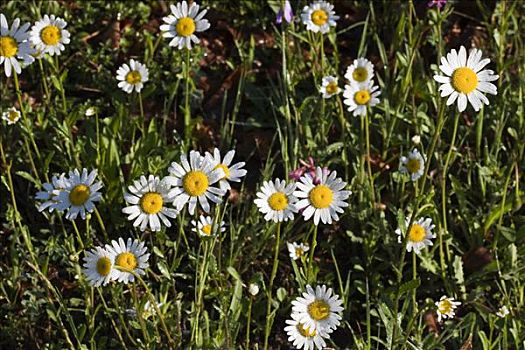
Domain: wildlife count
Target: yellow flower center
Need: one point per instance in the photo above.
(305, 331)
(417, 233)
(360, 74)
(319, 310)
(299, 252)
(50, 35)
(445, 307)
(151, 202)
(321, 196)
(464, 80)
(126, 261)
(225, 169)
(278, 201)
(413, 166)
(206, 229)
(8, 46)
(13, 116)
(133, 77)
(79, 194)
(362, 97)
(185, 26)
(319, 17)
(331, 88)
(103, 266)
(195, 183)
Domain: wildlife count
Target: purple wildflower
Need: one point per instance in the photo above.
(287, 13)
(438, 3)
(307, 167)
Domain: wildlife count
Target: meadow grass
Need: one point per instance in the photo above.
(253, 85)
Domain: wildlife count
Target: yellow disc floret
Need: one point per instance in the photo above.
(195, 183)
(362, 97)
(8, 46)
(79, 194)
(321, 196)
(151, 203)
(305, 331)
(103, 266)
(278, 201)
(319, 310)
(126, 261)
(225, 169)
(360, 74)
(51, 35)
(417, 233)
(331, 88)
(464, 80)
(13, 116)
(133, 77)
(319, 17)
(413, 165)
(185, 26)
(445, 307)
(207, 229)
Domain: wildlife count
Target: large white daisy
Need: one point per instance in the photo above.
(329, 87)
(231, 172)
(446, 307)
(359, 96)
(277, 201)
(465, 80)
(322, 199)
(413, 164)
(14, 46)
(51, 192)
(182, 24)
(49, 35)
(148, 199)
(11, 116)
(193, 182)
(205, 226)
(318, 309)
(132, 77)
(319, 16)
(303, 337)
(360, 71)
(98, 266)
(79, 193)
(419, 236)
(130, 258)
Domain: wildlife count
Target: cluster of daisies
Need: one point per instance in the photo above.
(314, 316)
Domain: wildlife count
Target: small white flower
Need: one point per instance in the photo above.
(297, 250)
(205, 225)
(465, 80)
(50, 193)
(148, 198)
(129, 258)
(416, 139)
(413, 165)
(318, 309)
(231, 172)
(14, 46)
(319, 16)
(49, 35)
(11, 116)
(329, 87)
(98, 267)
(419, 235)
(361, 71)
(147, 311)
(253, 289)
(446, 307)
(503, 311)
(132, 77)
(91, 111)
(182, 24)
(276, 200)
(323, 198)
(79, 193)
(303, 337)
(359, 96)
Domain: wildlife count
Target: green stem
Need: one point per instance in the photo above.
(309, 273)
(369, 167)
(187, 112)
(142, 118)
(44, 81)
(269, 320)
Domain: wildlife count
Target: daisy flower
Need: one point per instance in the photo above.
(98, 267)
(297, 250)
(323, 200)
(148, 198)
(132, 77)
(303, 337)
(503, 311)
(11, 116)
(359, 96)
(79, 193)
(49, 36)
(130, 258)
(182, 24)
(204, 226)
(318, 309)
(413, 165)
(465, 79)
(50, 193)
(329, 87)
(446, 307)
(193, 182)
(361, 71)
(231, 172)
(277, 201)
(14, 46)
(419, 235)
(319, 16)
